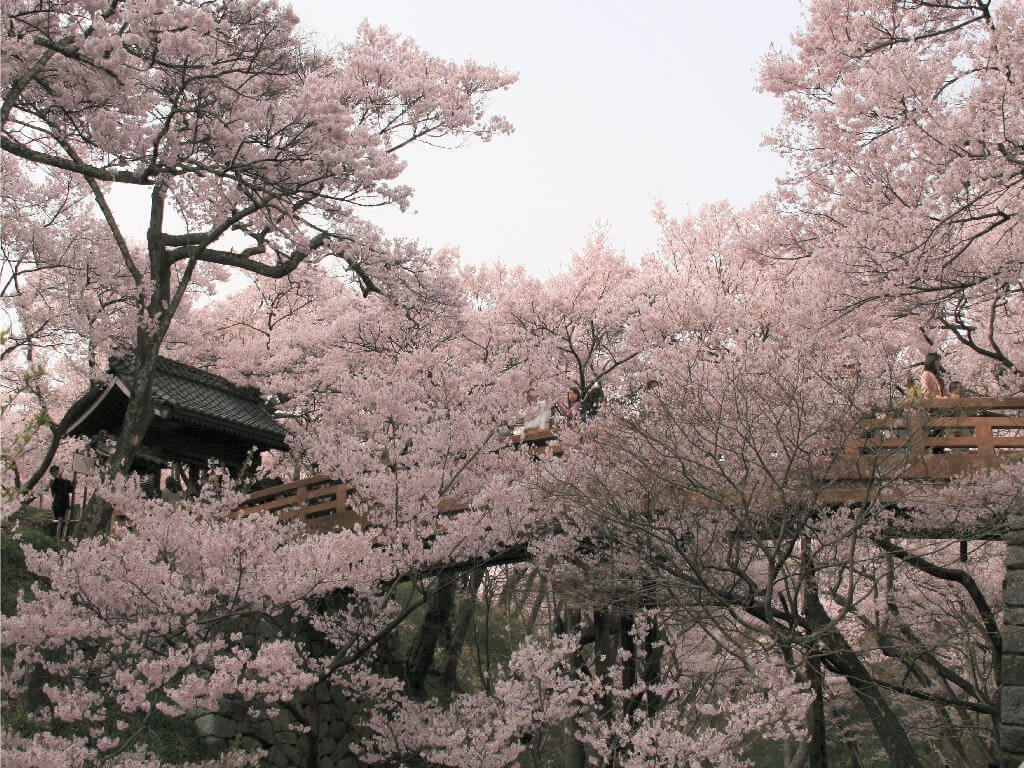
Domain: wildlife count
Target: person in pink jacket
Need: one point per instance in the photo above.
(931, 376)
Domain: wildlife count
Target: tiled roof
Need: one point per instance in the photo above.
(203, 398)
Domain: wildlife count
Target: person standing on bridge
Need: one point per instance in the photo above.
(570, 409)
(932, 386)
(591, 402)
(536, 414)
(931, 377)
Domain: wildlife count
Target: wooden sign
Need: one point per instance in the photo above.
(83, 464)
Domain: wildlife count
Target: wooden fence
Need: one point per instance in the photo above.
(320, 502)
(929, 440)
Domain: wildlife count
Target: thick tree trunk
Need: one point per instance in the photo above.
(1011, 690)
(817, 747)
(575, 752)
(453, 649)
(508, 590)
(531, 619)
(605, 649)
(421, 653)
(629, 646)
(845, 661)
(524, 590)
(137, 418)
(313, 735)
(652, 666)
(139, 413)
(95, 517)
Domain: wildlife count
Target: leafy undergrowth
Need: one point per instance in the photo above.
(28, 525)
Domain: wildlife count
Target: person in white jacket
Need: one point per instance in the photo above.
(536, 414)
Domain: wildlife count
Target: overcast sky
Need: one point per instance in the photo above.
(617, 106)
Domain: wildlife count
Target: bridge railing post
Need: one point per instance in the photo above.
(917, 431)
(986, 446)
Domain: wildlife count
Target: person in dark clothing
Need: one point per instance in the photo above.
(60, 490)
(933, 386)
(149, 484)
(592, 402)
(172, 490)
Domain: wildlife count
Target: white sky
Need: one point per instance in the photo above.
(617, 105)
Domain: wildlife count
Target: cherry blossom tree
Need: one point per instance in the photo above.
(682, 533)
(587, 323)
(210, 619)
(409, 444)
(706, 508)
(701, 590)
(906, 163)
(253, 147)
(704, 493)
(906, 178)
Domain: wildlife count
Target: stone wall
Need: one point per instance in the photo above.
(1011, 696)
(332, 719)
(285, 746)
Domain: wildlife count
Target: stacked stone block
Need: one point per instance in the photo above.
(286, 746)
(1011, 732)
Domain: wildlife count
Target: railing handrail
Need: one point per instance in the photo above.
(963, 403)
(278, 490)
(932, 440)
(304, 499)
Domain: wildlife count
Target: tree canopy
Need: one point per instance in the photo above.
(675, 584)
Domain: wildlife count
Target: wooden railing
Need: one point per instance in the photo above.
(928, 440)
(320, 502)
(539, 441)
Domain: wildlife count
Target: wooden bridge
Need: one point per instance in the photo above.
(323, 504)
(928, 441)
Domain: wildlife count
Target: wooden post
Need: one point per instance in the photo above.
(986, 447)
(916, 432)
